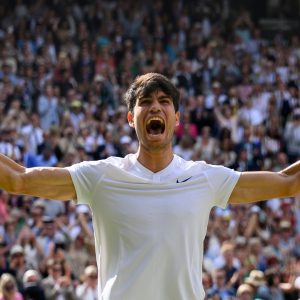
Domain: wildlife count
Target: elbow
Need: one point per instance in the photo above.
(16, 185)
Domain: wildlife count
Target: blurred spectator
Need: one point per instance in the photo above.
(205, 147)
(88, 289)
(292, 136)
(32, 134)
(219, 287)
(229, 263)
(79, 255)
(8, 288)
(48, 108)
(32, 252)
(245, 292)
(256, 280)
(185, 147)
(17, 264)
(32, 289)
(57, 284)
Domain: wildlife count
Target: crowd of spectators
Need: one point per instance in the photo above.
(64, 66)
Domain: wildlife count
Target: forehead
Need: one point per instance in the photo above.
(154, 94)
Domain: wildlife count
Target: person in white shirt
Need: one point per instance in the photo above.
(88, 289)
(150, 209)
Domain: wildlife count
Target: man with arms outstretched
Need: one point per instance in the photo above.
(150, 209)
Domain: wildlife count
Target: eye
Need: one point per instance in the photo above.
(165, 101)
(144, 101)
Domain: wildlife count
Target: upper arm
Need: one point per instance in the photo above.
(49, 183)
(257, 186)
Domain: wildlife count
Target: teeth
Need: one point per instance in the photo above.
(155, 119)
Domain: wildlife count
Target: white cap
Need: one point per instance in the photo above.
(82, 208)
(125, 139)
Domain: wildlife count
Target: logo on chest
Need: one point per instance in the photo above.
(184, 180)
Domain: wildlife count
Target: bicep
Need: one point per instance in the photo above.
(258, 186)
(49, 183)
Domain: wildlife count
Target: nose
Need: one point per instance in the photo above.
(155, 106)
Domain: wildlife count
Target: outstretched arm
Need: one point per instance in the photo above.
(257, 186)
(50, 183)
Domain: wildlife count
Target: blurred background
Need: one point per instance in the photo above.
(64, 67)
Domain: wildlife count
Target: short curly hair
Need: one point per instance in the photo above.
(146, 84)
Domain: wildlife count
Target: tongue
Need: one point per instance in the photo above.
(155, 131)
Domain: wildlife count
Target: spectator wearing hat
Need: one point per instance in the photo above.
(8, 288)
(46, 239)
(257, 281)
(126, 145)
(294, 290)
(36, 216)
(287, 242)
(76, 114)
(17, 264)
(88, 289)
(32, 289)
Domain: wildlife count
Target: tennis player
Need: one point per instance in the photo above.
(150, 209)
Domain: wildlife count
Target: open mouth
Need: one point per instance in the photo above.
(155, 126)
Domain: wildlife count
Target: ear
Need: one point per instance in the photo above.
(130, 119)
(177, 117)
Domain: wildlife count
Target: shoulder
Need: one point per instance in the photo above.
(100, 165)
(209, 169)
(188, 164)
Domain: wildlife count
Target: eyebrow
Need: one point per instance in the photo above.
(149, 97)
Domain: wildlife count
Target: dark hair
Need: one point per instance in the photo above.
(146, 84)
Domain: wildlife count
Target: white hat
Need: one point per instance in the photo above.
(82, 209)
(31, 276)
(16, 249)
(89, 270)
(125, 139)
(256, 278)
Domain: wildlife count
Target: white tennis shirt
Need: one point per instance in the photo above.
(149, 227)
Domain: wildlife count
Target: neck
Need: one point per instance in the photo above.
(155, 161)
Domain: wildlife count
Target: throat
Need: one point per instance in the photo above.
(154, 161)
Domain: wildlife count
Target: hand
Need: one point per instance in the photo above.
(64, 281)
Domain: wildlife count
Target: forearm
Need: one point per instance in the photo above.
(8, 171)
(46, 182)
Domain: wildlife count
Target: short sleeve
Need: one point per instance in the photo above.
(85, 176)
(222, 181)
